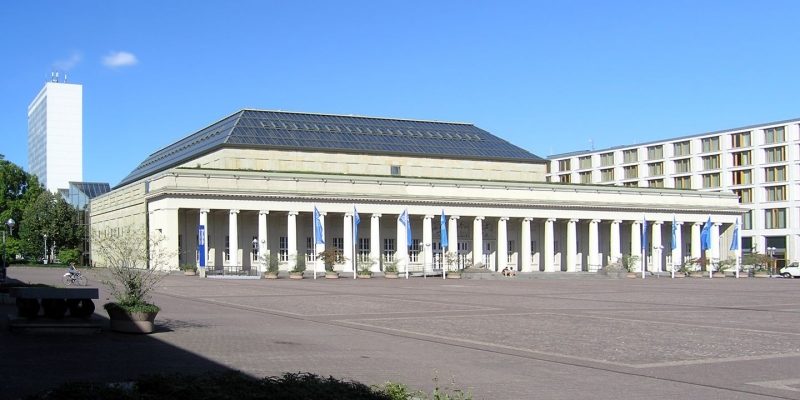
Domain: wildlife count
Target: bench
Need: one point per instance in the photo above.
(54, 303)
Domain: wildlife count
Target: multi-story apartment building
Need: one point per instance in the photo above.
(759, 163)
(55, 134)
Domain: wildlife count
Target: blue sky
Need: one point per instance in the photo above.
(548, 76)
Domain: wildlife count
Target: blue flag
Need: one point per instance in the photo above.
(735, 242)
(319, 235)
(356, 221)
(674, 234)
(404, 220)
(443, 228)
(644, 235)
(705, 236)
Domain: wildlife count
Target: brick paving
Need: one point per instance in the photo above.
(656, 338)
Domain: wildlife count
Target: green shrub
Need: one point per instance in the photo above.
(274, 262)
(300, 264)
(67, 256)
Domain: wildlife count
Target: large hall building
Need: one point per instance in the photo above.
(252, 180)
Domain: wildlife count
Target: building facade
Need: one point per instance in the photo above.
(55, 134)
(758, 163)
(247, 185)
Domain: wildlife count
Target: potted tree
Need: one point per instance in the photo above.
(628, 262)
(364, 270)
(135, 263)
(299, 267)
(451, 272)
(272, 266)
(330, 257)
(188, 269)
(390, 269)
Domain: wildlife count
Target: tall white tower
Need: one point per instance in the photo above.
(55, 134)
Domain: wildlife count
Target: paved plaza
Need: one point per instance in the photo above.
(656, 338)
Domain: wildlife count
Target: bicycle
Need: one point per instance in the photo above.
(74, 277)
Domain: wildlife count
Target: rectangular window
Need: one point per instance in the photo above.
(747, 220)
(683, 182)
(774, 135)
(741, 139)
(363, 249)
(741, 159)
(776, 193)
(631, 172)
(254, 249)
(309, 249)
(743, 177)
(775, 218)
(710, 144)
(655, 152)
(586, 177)
(395, 170)
(711, 162)
(564, 165)
(283, 248)
(655, 183)
(630, 184)
(775, 174)
(681, 149)
(564, 178)
(775, 154)
(413, 251)
(389, 249)
(227, 251)
(607, 159)
(683, 166)
(585, 162)
(655, 169)
(710, 181)
(745, 195)
(629, 156)
(607, 175)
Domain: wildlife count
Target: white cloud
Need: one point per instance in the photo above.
(117, 59)
(67, 64)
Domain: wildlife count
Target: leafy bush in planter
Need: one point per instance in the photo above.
(300, 264)
(274, 263)
(188, 267)
(390, 266)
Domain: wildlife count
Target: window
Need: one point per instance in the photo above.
(745, 195)
(564, 178)
(388, 249)
(586, 177)
(681, 149)
(743, 177)
(655, 169)
(363, 249)
(710, 181)
(710, 144)
(254, 249)
(283, 248)
(741, 159)
(631, 172)
(655, 152)
(338, 244)
(775, 218)
(607, 159)
(564, 165)
(711, 162)
(413, 251)
(629, 156)
(630, 184)
(585, 162)
(741, 139)
(309, 249)
(607, 175)
(655, 183)
(775, 154)
(683, 166)
(227, 251)
(775, 174)
(747, 220)
(774, 135)
(395, 170)
(683, 182)
(776, 193)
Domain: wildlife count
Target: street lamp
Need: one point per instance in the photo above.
(771, 254)
(10, 224)
(44, 259)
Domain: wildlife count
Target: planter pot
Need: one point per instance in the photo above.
(331, 275)
(364, 276)
(719, 275)
(453, 275)
(190, 273)
(126, 322)
(633, 275)
(762, 274)
(390, 275)
(270, 275)
(293, 275)
(697, 274)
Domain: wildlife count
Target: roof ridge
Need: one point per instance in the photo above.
(359, 116)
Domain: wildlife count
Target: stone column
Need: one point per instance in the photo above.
(291, 239)
(263, 260)
(715, 242)
(636, 245)
(572, 245)
(696, 252)
(427, 243)
(657, 247)
(615, 250)
(477, 241)
(347, 230)
(549, 245)
(677, 252)
(204, 222)
(594, 246)
(452, 239)
(375, 241)
(502, 243)
(525, 246)
(233, 238)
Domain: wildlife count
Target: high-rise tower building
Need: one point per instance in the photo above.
(55, 134)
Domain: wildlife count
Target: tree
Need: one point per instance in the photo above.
(49, 215)
(17, 190)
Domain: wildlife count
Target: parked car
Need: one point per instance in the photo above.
(790, 271)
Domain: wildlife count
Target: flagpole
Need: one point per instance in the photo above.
(353, 235)
(314, 238)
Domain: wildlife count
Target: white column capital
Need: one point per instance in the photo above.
(717, 224)
(573, 220)
(204, 211)
(234, 211)
(376, 215)
(527, 219)
(263, 212)
(293, 213)
(455, 217)
(428, 216)
(678, 223)
(551, 220)
(480, 218)
(503, 219)
(616, 221)
(596, 221)
(698, 223)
